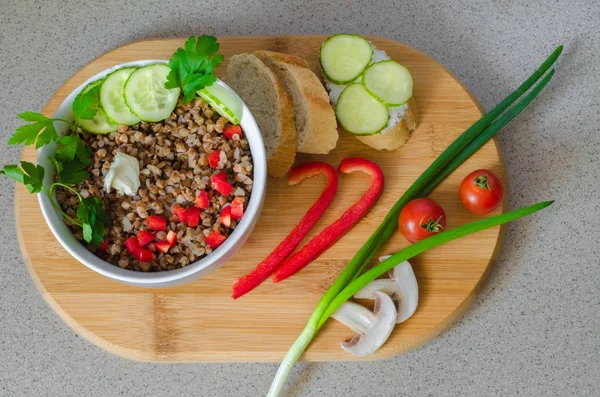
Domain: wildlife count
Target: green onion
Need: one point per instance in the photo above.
(409, 252)
(425, 245)
(487, 134)
(461, 149)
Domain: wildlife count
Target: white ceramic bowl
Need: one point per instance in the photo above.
(172, 277)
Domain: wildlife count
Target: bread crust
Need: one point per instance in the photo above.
(318, 134)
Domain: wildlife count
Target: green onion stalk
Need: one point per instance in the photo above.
(350, 281)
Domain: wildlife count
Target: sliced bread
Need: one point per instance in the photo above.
(272, 107)
(315, 121)
(396, 136)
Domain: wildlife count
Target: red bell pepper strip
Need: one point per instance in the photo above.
(250, 281)
(332, 233)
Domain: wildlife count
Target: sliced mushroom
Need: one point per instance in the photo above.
(401, 286)
(372, 327)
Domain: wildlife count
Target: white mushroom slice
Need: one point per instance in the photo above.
(372, 327)
(401, 286)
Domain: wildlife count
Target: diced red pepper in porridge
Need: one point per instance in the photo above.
(193, 216)
(145, 237)
(132, 244)
(219, 183)
(225, 217)
(237, 208)
(214, 158)
(180, 213)
(172, 238)
(229, 132)
(163, 246)
(144, 255)
(202, 201)
(104, 246)
(156, 222)
(220, 176)
(215, 239)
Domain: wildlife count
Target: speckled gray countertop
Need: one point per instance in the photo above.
(535, 329)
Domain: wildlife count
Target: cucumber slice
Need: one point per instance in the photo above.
(343, 57)
(146, 95)
(389, 81)
(100, 124)
(224, 101)
(359, 112)
(112, 100)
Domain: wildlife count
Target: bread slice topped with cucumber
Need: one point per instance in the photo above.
(372, 94)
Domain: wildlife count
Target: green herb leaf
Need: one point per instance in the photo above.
(13, 171)
(33, 117)
(41, 132)
(74, 178)
(87, 232)
(192, 68)
(46, 136)
(34, 178)
(95, 205)
(71, 146)
(83, 213)
(26, 134)
(58, 165)
(194, 83)
(98, 234)
(85, 105)
(30, 175)
(73, 172)
(94, 218)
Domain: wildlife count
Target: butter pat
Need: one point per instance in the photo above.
(123, 175)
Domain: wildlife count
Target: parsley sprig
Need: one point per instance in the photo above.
(192, 67)
(71, 161)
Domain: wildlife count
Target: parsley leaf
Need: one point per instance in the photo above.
(13, 171)
(33, 117)
(85, 105)
(192, 67)
(73, 172)
(71, 146)
(88, 232)
(72, 159)
(40, 132)
(83, 213)
(31, 175)
(57, 165)
(94, 220)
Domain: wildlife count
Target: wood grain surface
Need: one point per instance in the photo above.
(199, 321)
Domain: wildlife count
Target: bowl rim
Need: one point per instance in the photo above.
(217, 256)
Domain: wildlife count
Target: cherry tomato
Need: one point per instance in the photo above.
(421, 218)
(481, 191)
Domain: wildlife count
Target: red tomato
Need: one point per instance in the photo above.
(421, 218)
(481, 191)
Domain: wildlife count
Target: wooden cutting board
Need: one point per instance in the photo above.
(199, 321)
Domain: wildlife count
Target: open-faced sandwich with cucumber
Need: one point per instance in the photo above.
(372, 94)
(153, 172)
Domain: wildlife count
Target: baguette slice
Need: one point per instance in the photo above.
(396, 136)
(316, 125)
(265, 96)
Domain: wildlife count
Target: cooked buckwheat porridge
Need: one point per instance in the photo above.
(187, 166)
